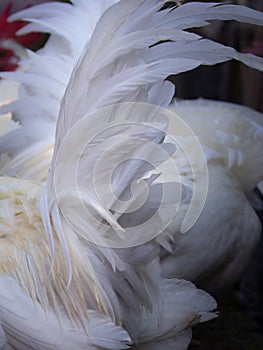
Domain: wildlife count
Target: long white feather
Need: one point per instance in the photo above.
(128, 64)
(142, 16)
(122, 67)
(29, 326)
(125, 63)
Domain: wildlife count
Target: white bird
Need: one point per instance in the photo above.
(68, 279)
(228, 229)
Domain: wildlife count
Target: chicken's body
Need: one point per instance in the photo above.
(36, 305)
(77, 256)
(223, 245)
(228, 229)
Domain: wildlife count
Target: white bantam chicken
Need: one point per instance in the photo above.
(90, 248)
(228, 228)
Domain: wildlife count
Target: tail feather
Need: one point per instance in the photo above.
(123, 63)
(182, 306)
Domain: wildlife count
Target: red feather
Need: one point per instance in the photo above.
(8, 58)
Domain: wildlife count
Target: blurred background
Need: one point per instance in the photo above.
(230, 81)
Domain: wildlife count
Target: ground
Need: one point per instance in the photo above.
(232, 330)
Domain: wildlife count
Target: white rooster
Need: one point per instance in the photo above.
(62, 286)
(228, 228)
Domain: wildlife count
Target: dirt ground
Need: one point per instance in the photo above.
(232, 330)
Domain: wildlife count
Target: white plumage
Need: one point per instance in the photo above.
(228, 228)
(62, 284)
